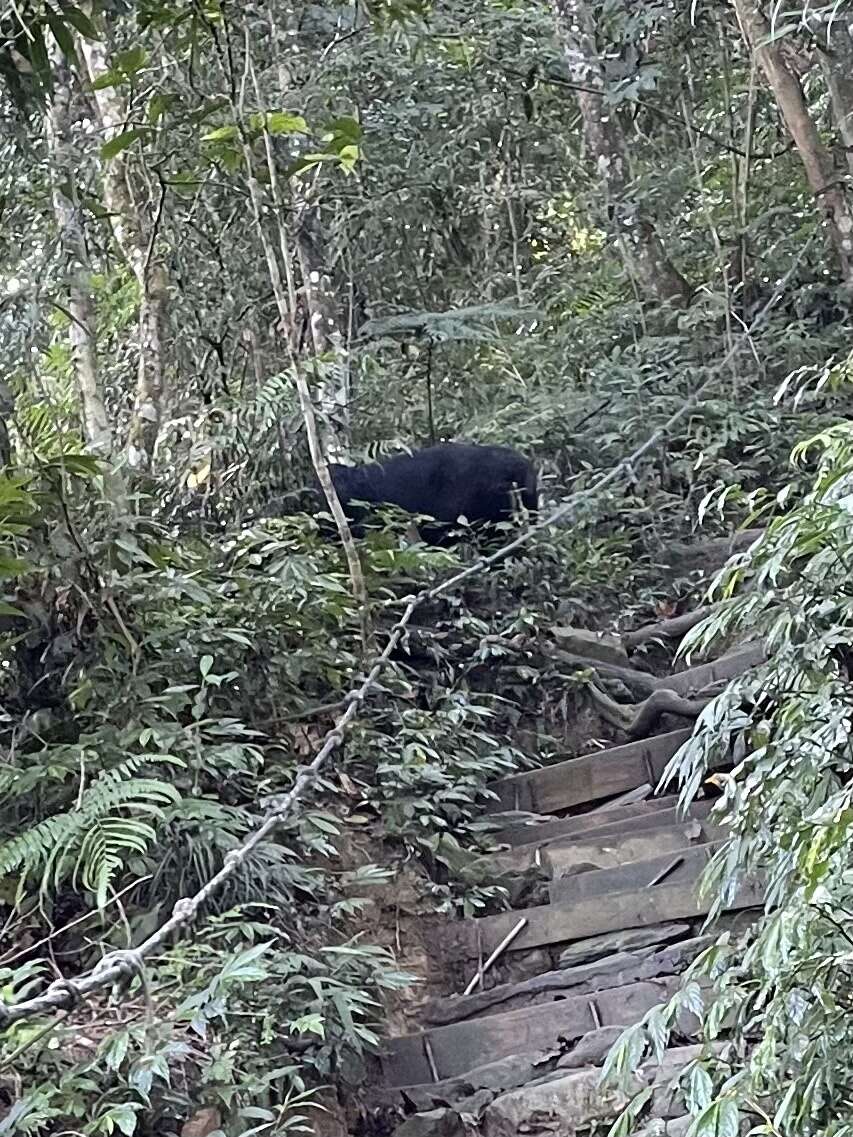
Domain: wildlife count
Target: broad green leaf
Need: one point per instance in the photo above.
(309, 1024)
(221, 134)
(110, 78)
(11, 567)
(280, 122)
(157, 106)
(61, 34)
(345, 129)
(80, 21)
(719, 1119)
(131, 61)
(121, 142)
(40, 60)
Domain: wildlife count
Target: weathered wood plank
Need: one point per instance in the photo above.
(519, 833)
(628, 966)
(462, 1046)
(599, 828)
(641, 793)
(590, 777)
(636, 876)
(604, 851)
(563, 923)
(623, 849)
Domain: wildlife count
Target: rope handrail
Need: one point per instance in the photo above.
(64, 994)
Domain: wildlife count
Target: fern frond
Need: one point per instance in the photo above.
(92, 842)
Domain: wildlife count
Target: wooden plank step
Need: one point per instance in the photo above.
(718, 670)
(590, 777)
(630, 965)
(636, 823)
(685, 865)
(462, 1046)
(525, 833)
(563, 854)
(563, 923)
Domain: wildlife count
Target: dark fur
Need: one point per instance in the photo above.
(445, 482)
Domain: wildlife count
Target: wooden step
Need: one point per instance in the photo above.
(447, 1051)
(591, 777)
(563, 923)
(607, 851)
(630, 965)
(633, 825)
(521, 833)
(684, 866)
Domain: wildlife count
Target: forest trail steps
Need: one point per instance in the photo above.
(605, 917)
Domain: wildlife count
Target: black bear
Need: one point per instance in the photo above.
(446, 482)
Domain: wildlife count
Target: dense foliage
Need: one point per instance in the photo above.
(400, 206)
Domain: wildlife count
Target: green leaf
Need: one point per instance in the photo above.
(346, 131)
(39, 59)
(157, 107)
(699, 1089)
(116, 1051)
(131, 61)
(309, 1024)
(323, 824)
(205, 665)
(61, 34)
(83, 465)
(12, 566)
(280, 122)
(221, 134)
(80, 21)
(124, 1117)
(121, 142)
(111, 78)
(10, 609)
(720, 1119)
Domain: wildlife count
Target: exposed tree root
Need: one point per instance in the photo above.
(638, 719)
(633, 679)
(673, 628)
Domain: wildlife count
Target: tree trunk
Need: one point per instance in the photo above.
(835, 49)
(333, 394)
(639, 241)
(817, 160)
(7, 410)
(136, 239)
(96, 426)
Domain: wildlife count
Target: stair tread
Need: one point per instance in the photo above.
(635, 822)
(588, 778)
(564, 923)
(463, 1046)
(606, 850)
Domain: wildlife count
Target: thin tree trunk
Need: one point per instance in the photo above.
(7, 410)
(326, 333)
(817, 160)
(136, 238)
(641, 246)
(835, 50)
(96, 426)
